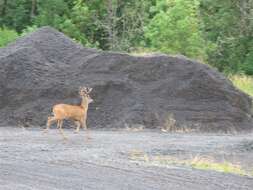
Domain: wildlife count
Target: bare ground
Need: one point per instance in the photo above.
(101, 159)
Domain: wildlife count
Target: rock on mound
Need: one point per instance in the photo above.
(46, 67)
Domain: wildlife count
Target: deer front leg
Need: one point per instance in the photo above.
(78, 124)
(59, 125)
(84, 124)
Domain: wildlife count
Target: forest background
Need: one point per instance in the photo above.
(215, 32)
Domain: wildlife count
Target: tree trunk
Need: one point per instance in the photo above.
(246, 9)
(33, 8)
(111, 23)
(4, 8)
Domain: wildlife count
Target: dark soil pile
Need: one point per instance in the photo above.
(46, 68)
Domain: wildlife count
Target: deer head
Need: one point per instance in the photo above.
(84, 93)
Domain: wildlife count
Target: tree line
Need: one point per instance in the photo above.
(218, 32)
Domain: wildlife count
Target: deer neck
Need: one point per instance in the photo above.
(84, 104)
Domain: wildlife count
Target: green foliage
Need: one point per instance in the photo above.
(79, 23)
(50, 12)
(176, 28)
(218, 32)
(229, 25)
(16, 14)
(58, 14)
(69, 28)
(7, 36)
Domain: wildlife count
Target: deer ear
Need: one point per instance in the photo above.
(81, 91)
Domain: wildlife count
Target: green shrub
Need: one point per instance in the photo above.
(29, 29)
(7, 36)
(176, 29)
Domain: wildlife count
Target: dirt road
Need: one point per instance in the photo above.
(31, 160)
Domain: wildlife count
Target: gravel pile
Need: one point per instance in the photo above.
(46, 67)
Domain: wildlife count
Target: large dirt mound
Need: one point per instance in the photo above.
(46, 67)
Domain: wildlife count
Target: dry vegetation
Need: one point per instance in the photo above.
(243, 82)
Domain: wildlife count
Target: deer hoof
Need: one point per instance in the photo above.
(45, 131)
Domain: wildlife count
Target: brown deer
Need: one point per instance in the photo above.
(72, 112)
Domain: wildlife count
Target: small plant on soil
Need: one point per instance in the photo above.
(169, 123)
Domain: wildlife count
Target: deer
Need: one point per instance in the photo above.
(76, 113)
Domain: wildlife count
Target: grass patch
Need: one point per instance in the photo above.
(226, 167)
(197, 162)
(243, 82)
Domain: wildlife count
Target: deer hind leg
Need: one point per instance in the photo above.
(50, 120)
